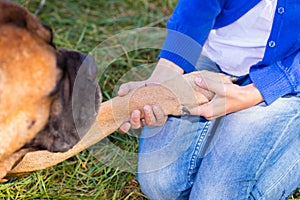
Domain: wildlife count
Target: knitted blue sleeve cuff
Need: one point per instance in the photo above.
(271, 81)
(181, 49)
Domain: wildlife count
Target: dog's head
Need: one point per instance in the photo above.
(36, 85)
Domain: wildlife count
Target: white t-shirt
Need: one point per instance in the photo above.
(238, 46)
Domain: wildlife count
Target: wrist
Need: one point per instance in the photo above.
(165, 70)
(253, 94)
(170, 65)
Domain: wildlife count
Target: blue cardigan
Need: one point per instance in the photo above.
(278, 74)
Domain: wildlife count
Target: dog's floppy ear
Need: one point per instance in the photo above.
(74, 109)
(14, 14)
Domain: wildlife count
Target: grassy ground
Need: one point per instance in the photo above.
(82, 25)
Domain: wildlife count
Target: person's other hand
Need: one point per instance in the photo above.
(153, 115)
(228, 98)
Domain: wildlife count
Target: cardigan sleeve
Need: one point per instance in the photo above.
(188, 28)
(279, 79)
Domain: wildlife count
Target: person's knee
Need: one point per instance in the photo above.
(159, 185)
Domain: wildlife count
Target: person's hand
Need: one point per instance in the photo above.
(153, 115)
(228, 98)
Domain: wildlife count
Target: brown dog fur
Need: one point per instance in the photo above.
(28, 75)
(36, 84)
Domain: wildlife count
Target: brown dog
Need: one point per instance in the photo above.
(36, 85)
(38, 124)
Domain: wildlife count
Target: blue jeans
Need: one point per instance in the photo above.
(250, 154)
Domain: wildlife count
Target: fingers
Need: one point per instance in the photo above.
(205, 110)
(124, 128)
(160, 116)
(149, 115)
(124, 89)
(154, 116)
(127, 87)
(135, 122)
(210, 110)
(135, 119)
(210, 85)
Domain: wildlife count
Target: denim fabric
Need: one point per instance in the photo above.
(250, 154)
(169, 157)
(253, 154)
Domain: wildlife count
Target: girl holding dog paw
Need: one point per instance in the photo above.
(244, 143)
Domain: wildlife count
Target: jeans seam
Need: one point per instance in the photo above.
(270, 152)
(192, 164)
(281, 177)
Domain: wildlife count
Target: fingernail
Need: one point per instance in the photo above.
(125, 128)
(135, 113)
(198, 80)
(147, 108)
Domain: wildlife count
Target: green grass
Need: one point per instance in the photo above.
(82, 25)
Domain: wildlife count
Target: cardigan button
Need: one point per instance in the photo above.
(272, 44)
(281, 10)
